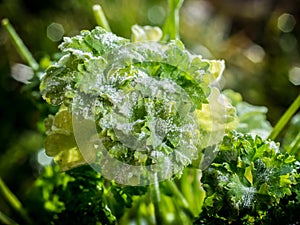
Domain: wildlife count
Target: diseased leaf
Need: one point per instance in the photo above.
(142, 100)
(97, 42)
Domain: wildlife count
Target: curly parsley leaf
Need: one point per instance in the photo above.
(142, 98)
(248, 180)
(80, 196)
(252, 119)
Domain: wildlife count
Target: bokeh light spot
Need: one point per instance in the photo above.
(43, 159)
(21, 73)
(55, 31)
(286, 22)
(294, 75)
(255, 53)
(156, 14)
(288, 42)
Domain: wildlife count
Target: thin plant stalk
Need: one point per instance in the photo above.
(156, 199)
(6, 220)
(180, 198)
(174, 189)
(199, 193)
(100, 17)
(171, 26)
(294, 146)
(285, 118)
(13, 201)
(20, 46)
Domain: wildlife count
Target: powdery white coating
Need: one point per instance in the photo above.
(108, 39)
(247, 197)
(119, 121)
(139, 101)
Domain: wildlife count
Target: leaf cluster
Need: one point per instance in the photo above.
(78, 196)
(142, 97)
(250, 182)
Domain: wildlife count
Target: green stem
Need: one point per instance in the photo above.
(199, 192)
(295, 145)
(285, 118)
(139, 217)
(13, 201)
(174, 189)
(180, 198)
(155, 192)
(6, 220)
(20, 46)
(100, 17)
(171, 26)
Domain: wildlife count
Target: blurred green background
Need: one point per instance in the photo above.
(259, 40)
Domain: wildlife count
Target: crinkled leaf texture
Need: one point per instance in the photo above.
(145, 100)
(252, 118)
(248, 180)
(61, 143)
(145, 33)
(78, 196)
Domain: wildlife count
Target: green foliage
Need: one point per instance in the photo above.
(249, 182)
(252, 119)
(142, 96)
(153, 102)
(89, 206)
(94, 51)
(60, 142)
(80, 196)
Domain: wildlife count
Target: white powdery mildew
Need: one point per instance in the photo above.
(247, 197)
(138, 100)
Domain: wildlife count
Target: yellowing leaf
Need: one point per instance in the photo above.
(146, 33)
(248, 174)
(218, 115)
(216, 69)
(69, 159)
(56, 143)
